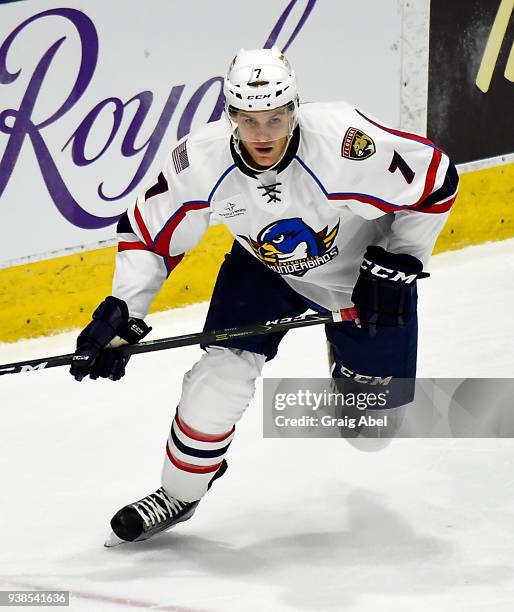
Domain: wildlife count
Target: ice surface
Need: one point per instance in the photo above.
(295, 524)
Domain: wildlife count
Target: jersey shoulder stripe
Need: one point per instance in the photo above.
(407, 135)
(162, 240)
(375, 201)
(400, 173)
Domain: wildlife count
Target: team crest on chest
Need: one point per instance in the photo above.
(357, 145)
(290, 246)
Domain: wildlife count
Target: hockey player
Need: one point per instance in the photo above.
(328, 208)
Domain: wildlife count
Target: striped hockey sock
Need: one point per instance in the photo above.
(192, 459)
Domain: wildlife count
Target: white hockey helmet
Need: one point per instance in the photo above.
(260, 79)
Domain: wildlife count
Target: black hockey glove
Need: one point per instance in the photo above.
(110, 320)
(386, 288)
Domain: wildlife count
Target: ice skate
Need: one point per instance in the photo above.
(152, 514)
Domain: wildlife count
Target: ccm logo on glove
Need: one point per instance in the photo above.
(392, 275)
(385, 292)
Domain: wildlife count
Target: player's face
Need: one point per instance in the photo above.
(264, 134)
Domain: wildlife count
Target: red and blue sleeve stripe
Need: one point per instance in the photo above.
(125, 227)
(429, 202)
(161, 243)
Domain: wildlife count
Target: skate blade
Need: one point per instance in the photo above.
(113, 540)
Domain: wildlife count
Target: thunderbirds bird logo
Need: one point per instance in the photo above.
(290, 246)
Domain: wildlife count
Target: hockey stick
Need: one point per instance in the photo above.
(209, 337)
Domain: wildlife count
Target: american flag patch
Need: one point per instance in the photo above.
(180, 158)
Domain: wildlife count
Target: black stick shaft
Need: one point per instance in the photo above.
(256, 329)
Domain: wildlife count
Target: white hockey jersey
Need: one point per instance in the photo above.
(345, 182)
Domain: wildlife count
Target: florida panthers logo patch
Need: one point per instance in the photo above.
(357, 145)
(290, 246)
